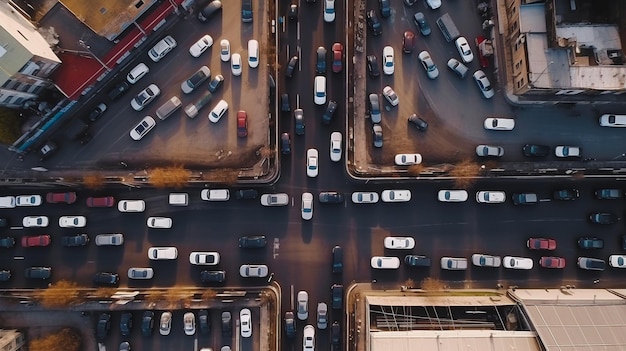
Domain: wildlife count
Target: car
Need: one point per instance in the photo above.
(35, 221)
(145, 97)
(212, 276)
(608, 194)
(235, 64)
(142, 128)
(565, 194)
(252, 241)
(388, 60)
(307, 206)
(126, 323)
(97, 112)
(7, 242)
(159, 222)
(329, 11)
(298, 116)
(279, 199)
(464, 49)
(290, 325)
(75, 240)
(284, 103)
(429, 66)
(408, 42)
(372, 66)
(165, 323)
(541, 244)
(162, 48)
(452, 195)
(136, 73)
(303, 305)
(524, 199)
(162, 253)
(215, 194)
(337, 57)
(38, 273)
(242, 124)
(327, 117)
(420, 21)
(399, 243)
(433, 4)
(312, 163)
(534, 150)
(196, 79)
(204, 258)
(384, 262)
(105, 201)
(495, 123)
(120, 88)
(454, 263)
(337, 259)
(418, 122)
(458, 68)
(189, 323)
(319, 90)
(330, 197)
(48, 149)
(513, 262)
(417, 261)
(590, 243)
(308, 338)
(131, 206)
(253, 53)
(140, 273)
(28, 200)
(253, 270)
(609, 120)
(285, 144)
(335, 146)
(293, 12)
(109, 239)
(377, 135)
(491, 197)
(216, 83)
(407, 159)
(384, 7)
(335, 335)
(483, 84)
(103, 326)
(617, 261)
(391, 96)
(489, 151)
(200, 46)
(374, 23)
(245, 322)
(592, 264)
(218, 111)
(147, 323)
(336, 292)
(375, 114)
(224, 50)
(227, 326)
(106, 278)
(396, 195)
(291, 66)
(482, 260)
(322, 315)
(55, 198)
(320, 63)
(552, 262)
(364, 197)
(567, 151)
(246, 194)
(603, 218)
(35, 240)
(210, 9)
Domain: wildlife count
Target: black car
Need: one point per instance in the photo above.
(603, 218)
(204, 321)
(75, 240)
(284, 103)
(210, 9)
(252, 241)
(212, 276)
(293, 12)
(290, 325)
(106, 278)
(524, 199)
(104, 324)
(227, 326)
(327, 117)
(5, 275)
(216, 83)
(246, 194)
(372, 66)
(418, 122)
(126, 323)
(298, 116)
(147, 323)
(417, 261)
(566, 194)
(337, 259)
(337, 296)
(384, 7)
(97, 112)
(38, 272)
(533, 150)
(7, 242)
(608, 194)
(119, 89)
(320, 65)
(374, 23)
(331, 197)
(335, 335)
(590, 243)
(285, 144)
(246, 11)
(291, 66)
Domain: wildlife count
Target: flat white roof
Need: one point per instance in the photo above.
(454, 340)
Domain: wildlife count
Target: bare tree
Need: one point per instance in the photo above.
(93, 181)
(66, 339)
(60, 294)
(170, 177)
(226, 176)
(432, 285)
(465, 173)
(415, 170)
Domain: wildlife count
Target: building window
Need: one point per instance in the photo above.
(8, 98)
(37, 89)
(517, 65)
(19, 100)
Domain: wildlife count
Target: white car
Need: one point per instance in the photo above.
(481, 260)
(567, 151)
(319, 90)
(145, 97)
(308, 338)
(201, 46)
(113, 239)
(608, 120)
(385, 262)
(245, 321)
(163, 253)
(329, 10)
(303, 305)
(224, 50)
(159, 222)
(219, 110)
(137, 73)
(35, 221)
(452, 195)
(253, 270)
(517, 262)
(464, 49)
(434, 4)
(388, 60)
(28, 200)
(279, 199)
(189, 323)
(399, 243)
(253, 53)
(391, 96)
(311, 163)
(396, 195)
(489, 151)
(364, 197)
(458, 68)
(483, 84)
(490, 197)
(454, 263)
(72, 221)
(335, 146)
(617, 261)
(235, 64)
(140, 273)
(204, 258)
(131, 206)
(142, 128)
(160, 49)
(307, 206)
(494, 123)
(429, 65)
(407, 159)
(165, 325)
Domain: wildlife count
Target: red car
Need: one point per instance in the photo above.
(36, 240)
(107, 201)
(552, 262)
(541, 244)
(337, 57)
(242, 124)
(55, 198)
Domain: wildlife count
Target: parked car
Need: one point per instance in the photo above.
(216, 83)
(38, 273)
(212, 276)
(330, 197)
(454, 263)
(396, 195)
(142, 128)
(242, 124)
(399, 243)
(189, 323)
(603, 218)
(147, 323)
(200, 46)
(417, 261)
(524, 199)
(106, 278)
(609, 120)
(105, 201)
(408, 42)
(224, 50)
(365, 197)
(165, 323)
(75, 240)
(245, 321)
(35, 221)
(209, 10)
(567, 151)
(162, 253)
(109, 239)
(458, 68)
(418, 122)
(336, 295)
(36, 240)
(452, 195)
(252, 241)
(590, 243)
(253, 53)
(196, 79)
(126, 323)
(533, 150)
(482, 260)
(429, 65)
(120, 88)
(218, 111)
(322, 315)
(55, 198)
(483, 84)
(335, 146)
(617, 261)
(227, 324)
(407, 159)
(372, 66)
(337, 57)
(307, 206)
(377, 135)
(391, 96)
(253, 271)
(103, 326)
(308, 338)
(541, 244)
(162, 48)
(565, 194)
(592, 264)
(374, 104)
(489, 151)
(303, 305)
(204, 258)
(279, 199)
(145, 97)
(72, 221)
(490, 197)
(235, 64)
(290, 325)
(383, 262)
(517, 262)
(388, 60)
(374, 23)
(420, 21)
(246, 194)
(552, 262)
(608, 194)
(494, 123)
(464, 49)
(28, 200)
(337, 259)
(140, 273)
(312, 163)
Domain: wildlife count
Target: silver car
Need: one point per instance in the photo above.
(482, 260)
(454, 263)
(303, 305)
(429, 65)
(253, 270)
(166, 323)
(140, 273)
(489, 151)
(145, 97)
(280, 199)
(109, 239)
(322, 315)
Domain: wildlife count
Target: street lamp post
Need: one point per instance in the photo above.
(618, 156)
(87, 47)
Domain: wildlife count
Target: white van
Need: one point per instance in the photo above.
(179, 199)
(215, 195)
(168, 108)
(319, 93)
(253, 53)
(137, 73)
(7, 202)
